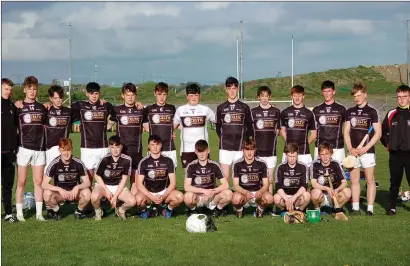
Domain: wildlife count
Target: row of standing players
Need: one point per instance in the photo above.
(41, 128)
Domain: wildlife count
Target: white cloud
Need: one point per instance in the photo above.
(211, 5)
(224, 36)
(311, 48)
(345, 26)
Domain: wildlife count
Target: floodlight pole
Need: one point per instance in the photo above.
(408, 53)
(69, 64)
(292, 60)
(237, 60)
(241, 80)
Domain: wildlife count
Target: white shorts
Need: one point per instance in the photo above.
(202, 202)
(27, 156)
(251, 202)
(112, 189)
(302, 158)
(327, 200)
(366, 160)
(270, 161)
(161, 193)
(91, 157)
(51, 154)
(172, 155)
(228, 157)
(338, 155)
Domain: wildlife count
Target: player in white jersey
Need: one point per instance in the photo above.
(192, 119)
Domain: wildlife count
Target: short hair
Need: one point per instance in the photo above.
(201, 145)
(30, 81)
(359, 86)
(93, 87)
(192, 88)
(263, 89)
(56, 88)
(325, 146)
(297, 89)
(231, 81)
(155, 139)
(129, 87)
(114, 140)
(403, 88)
(7, 81)
(161, 87)
(65, 144)
(328, 84)
(249, 144)
(291, 147)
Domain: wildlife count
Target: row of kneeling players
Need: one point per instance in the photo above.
(155, 184)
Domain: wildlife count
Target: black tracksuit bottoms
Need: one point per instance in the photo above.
(7, 179)
(398, 163)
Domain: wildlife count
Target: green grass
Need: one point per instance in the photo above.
(379, 240)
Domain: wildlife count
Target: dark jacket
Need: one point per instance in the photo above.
(396, 130)
(9, 119)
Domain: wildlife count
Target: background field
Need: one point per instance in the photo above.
(379, 240)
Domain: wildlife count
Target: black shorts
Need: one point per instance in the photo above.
(135, 157)
(187, 158)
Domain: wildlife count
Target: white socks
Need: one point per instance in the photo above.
(39, 208)
(355, 206)
(19, 209)
(370, 208)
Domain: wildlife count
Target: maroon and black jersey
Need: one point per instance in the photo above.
(298, 122)
(204, 176)
(129, 126)
(234, 124)
(290, 179)
(32, 118)
(361, 119)
(265, 124)
(160, 119)
(66, 176)
(112, 171)
(250, 175)
(155, 172)
(334, 170)
(329, 121)
(58, 125)
(93, 125)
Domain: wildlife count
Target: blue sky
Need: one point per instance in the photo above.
(178, 42)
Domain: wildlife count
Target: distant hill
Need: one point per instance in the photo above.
(380, 80)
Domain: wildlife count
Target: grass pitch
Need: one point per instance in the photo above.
(377, 240)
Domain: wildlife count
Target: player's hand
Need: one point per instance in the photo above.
(247, 194)
(173, 136)
(65, 194)
(330, 192)
(361, 151)
(353, 152)
(290, 203)
(156, 199)
(47, 105)
(113, 201)
(19, 104)
(139, 105)
(109, 197)
(74, 193)
(258, 194)
(208, 192)
(102, 101)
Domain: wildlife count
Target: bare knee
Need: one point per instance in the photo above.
(227, 195)
(47, 195)
(179, 197)
(140, 200)
(277, 199)
(237, 198)
(316, 194)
